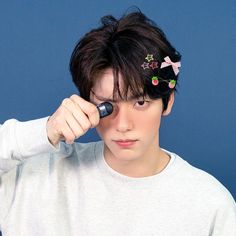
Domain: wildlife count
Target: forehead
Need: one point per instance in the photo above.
(104, 83)
(104, 87)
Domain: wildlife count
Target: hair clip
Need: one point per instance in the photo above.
(156, 80)
(172, 83)
(145, 65)
(153, 65)
(175, 65)
(149, 57)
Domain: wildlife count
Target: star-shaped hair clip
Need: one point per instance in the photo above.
(145, 65)
(149, 57)
(153, 65)
(151, 62)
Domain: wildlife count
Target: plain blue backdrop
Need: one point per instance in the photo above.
(37, 38)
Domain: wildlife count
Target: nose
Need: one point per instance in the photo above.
(123, 119)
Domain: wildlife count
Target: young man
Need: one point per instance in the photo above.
(125, 184)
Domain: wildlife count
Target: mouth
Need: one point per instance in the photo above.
(125, 142)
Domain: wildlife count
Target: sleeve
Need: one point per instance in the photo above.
(225, 219)
(20, 140)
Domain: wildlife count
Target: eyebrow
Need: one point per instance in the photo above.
(116, 100)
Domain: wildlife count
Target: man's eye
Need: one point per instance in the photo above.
(141, 104)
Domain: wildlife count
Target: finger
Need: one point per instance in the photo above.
(67, 134)
(88, 108)
(79, 116)
(58, 128)
(75, 127)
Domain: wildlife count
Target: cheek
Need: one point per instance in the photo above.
(103, 127)
(148, 122)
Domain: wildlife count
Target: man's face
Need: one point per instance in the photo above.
(131, 132)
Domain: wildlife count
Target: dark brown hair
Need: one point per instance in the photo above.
(123, 45)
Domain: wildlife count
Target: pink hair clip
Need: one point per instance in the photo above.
(155, 80)
(168, 62)
(172, 83)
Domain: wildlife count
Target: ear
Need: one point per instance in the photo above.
(170, 105)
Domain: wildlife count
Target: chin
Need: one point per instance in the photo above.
(123, 154)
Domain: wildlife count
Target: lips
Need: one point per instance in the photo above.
(125, 142)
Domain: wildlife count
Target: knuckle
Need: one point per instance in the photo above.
(79, 133)
(59, 116)
(60, 111)
(74, 97)
(86, 125)
(95, 123)
(70, 137)
(66, 102)
(92, 109)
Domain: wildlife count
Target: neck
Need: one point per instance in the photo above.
(150, 164)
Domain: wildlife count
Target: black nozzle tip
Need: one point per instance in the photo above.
(105, 109)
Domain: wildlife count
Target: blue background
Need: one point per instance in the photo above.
(37, 38)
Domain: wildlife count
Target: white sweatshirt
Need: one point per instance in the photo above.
(74, 192)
